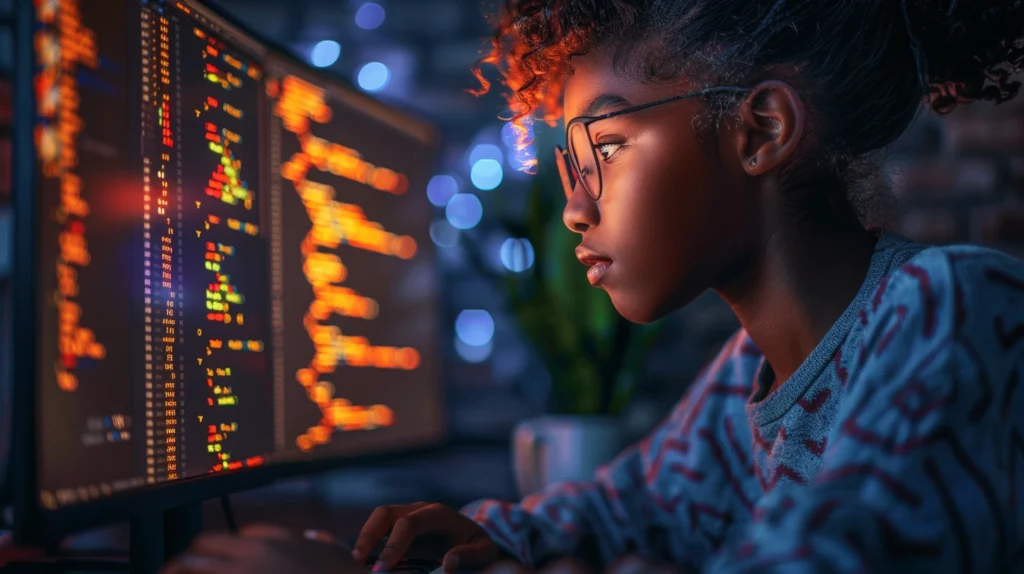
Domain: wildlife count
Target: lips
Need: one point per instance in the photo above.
(598, 264)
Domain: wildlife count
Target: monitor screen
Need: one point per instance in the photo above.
(233, 261)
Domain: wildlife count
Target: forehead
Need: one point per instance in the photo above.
(595, 75)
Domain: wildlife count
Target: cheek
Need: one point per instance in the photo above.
(662, 195)
(667, 212)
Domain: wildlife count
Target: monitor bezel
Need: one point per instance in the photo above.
(34, 525)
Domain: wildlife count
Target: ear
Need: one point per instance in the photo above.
(771, 127)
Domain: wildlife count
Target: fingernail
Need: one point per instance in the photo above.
(378, 567)
(451, 563)
(356, 555)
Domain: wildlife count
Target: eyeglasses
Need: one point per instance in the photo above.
(578, 163)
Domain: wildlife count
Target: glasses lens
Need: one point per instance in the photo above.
(562, 156)
(584, 156)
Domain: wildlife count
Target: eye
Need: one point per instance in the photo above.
(607, 150)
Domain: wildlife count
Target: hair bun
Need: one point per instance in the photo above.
(966, 50)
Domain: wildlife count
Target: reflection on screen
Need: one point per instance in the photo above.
(235, 265)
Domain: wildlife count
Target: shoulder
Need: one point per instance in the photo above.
(948, 290)
(946, 307)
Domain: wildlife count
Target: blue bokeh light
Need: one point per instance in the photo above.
(370, 16)
(443, 234)
(472, 354)
(474, 327)
(485, 151)
(524, 158)
(441, 188)
(464, 211)
(510, 137)
(325, 53)
(373, 77)
(486, 174)
(517, 254)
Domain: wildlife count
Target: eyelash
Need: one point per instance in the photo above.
(601, 155)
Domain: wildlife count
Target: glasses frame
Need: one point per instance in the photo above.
(568, 155)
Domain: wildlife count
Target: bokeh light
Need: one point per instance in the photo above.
(370, 16)
(443, 234)
(517, 254)
(509, 136)
(474, 327)
(325, 53)
(441, 188)
(486, 174)
(464, 211)
(485, 151)
(373, 77)
(472, 354)
(522, 158)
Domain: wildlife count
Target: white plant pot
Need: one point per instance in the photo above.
(555, 448)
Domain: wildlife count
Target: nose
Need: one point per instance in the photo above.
(580, 213)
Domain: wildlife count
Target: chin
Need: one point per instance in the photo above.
(636, 309)
(646, 308)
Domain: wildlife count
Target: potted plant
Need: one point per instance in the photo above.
(594, 356)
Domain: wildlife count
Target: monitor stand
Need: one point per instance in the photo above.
(154, 538)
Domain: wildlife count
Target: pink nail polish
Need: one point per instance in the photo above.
(378, 567)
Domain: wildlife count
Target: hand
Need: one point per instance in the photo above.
(262, 549)
(472, 547)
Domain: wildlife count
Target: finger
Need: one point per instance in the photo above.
(377, 525)
(404, 531)
(508, 567)
(477, 553)
(562, 173)
(265, 532)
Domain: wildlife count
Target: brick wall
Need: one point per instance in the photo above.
(960, 178)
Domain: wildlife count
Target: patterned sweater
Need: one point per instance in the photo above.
(897, 446)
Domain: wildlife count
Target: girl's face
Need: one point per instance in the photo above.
(675, 216)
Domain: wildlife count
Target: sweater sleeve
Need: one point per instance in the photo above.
(923, 472)
(629, 502)
(591, 520)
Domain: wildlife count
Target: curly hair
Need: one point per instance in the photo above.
(867, 65)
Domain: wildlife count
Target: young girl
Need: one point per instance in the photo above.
(869, 415)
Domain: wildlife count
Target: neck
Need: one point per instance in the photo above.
(798, 286)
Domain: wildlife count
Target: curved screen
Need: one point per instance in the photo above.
(233, 261)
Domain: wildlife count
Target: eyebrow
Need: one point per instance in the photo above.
(602, 103)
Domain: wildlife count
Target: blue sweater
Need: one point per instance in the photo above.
(897, 446)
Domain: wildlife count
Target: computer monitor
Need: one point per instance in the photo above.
(223, 262)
